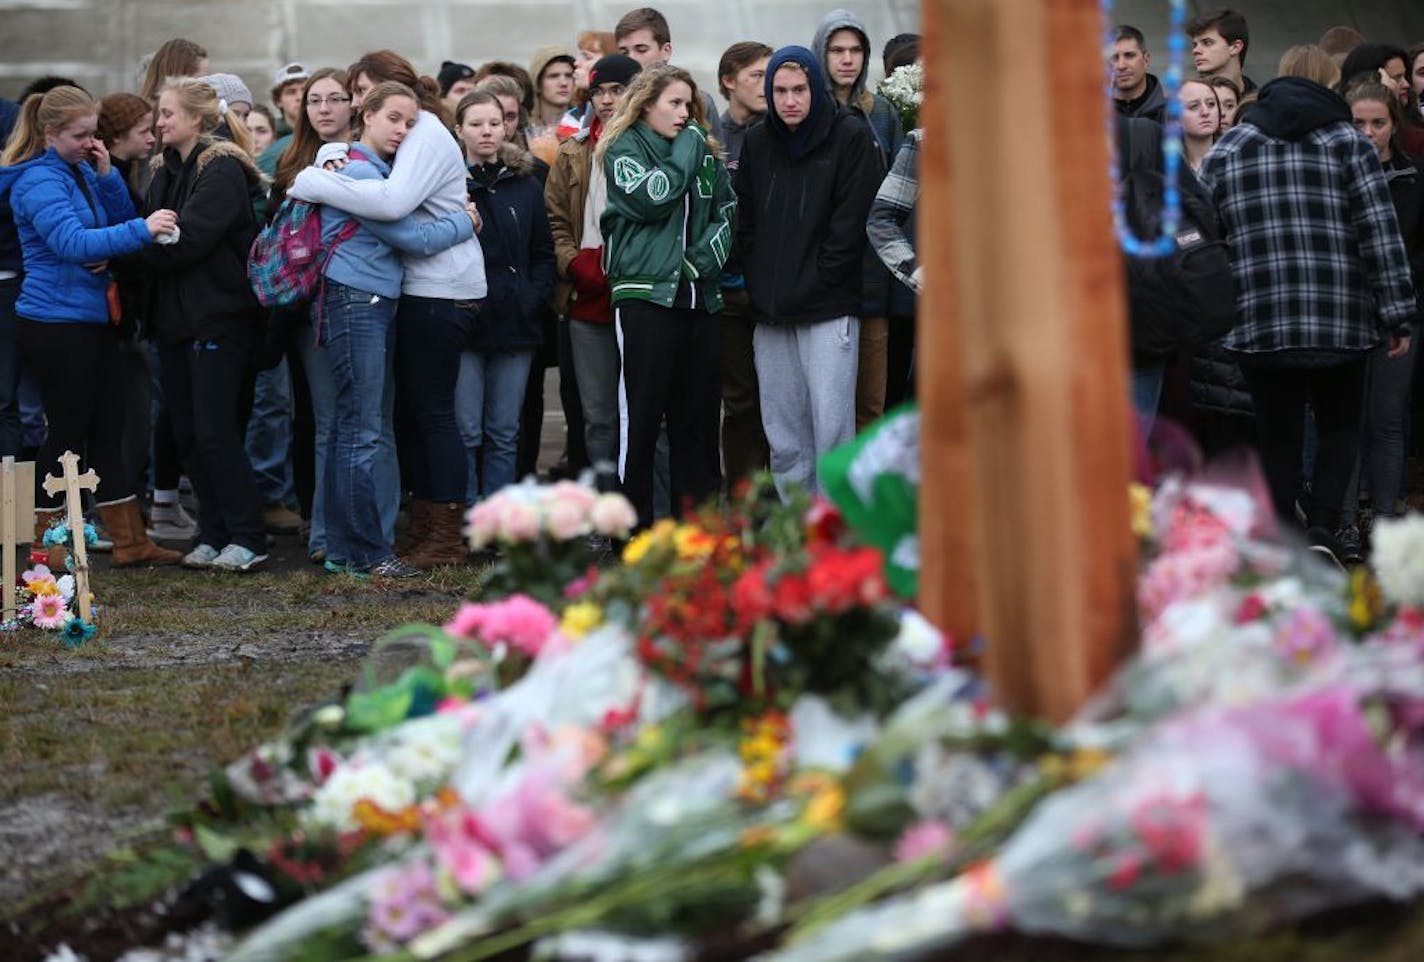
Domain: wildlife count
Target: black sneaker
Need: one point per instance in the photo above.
(1322, 542)
(394, 568)
(1349, 546)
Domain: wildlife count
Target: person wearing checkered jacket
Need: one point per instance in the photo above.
(891, 230)
(1322, 277)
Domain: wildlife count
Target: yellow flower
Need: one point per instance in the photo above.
(1366, 603)
(650, 739)
(1081, 764)
(692, 542)
(38, 588)
(1140, 498)
(581, 618)
(823, 812)
(638, 548)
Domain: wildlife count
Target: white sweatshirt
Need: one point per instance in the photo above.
(427, 177)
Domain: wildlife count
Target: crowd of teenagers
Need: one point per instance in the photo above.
(1312, 187)
(700, 273)
(723, 291)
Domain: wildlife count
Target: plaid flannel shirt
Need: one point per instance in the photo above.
(1316, 249)
(890, 215)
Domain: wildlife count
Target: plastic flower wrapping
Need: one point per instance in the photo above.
(733, 734)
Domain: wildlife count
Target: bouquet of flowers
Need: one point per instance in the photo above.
(905, 89)
(542, 534)
(51, 603)
(1220, 822)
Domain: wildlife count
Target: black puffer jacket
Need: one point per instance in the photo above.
(1217, 385)
(519, 253)
(200, 289)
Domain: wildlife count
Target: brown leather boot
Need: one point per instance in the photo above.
(131, 545)
(417, 527)
(444, 542)
(54, 555)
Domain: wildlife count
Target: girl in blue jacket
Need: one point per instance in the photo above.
(72, 218)
(357, 315)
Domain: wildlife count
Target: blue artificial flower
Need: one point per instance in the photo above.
(91, 537)
(57, 534)
(76, 632)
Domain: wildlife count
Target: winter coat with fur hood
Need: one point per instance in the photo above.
(200, 289)
(519, 253)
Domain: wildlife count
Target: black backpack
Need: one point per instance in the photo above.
(1187, 298)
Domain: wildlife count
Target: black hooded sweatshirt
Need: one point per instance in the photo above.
(803, 198)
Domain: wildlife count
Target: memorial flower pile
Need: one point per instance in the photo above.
(661, 750)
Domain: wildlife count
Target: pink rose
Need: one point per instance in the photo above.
(613, 516)
(565, 520)
(463, 848)
(519, 523)
(520, 622)
(468, 622)
(570, 492)
(922, 839)
(483, 524)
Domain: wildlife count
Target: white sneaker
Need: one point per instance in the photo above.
(202, 556)
(169, 522)
(237, 558)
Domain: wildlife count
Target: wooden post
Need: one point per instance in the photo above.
(71, 483)
(17, 521)
(1023, 369)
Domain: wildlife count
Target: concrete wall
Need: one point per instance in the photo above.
(99, 42)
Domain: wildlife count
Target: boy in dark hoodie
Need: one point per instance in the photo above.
(843, 46)
(1322, 277)
(806, 178)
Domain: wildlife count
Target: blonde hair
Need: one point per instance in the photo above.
(642, 93)
(1310, 62)
(199, 99)
(55, 110)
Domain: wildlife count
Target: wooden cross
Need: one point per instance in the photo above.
(72, 483)
(17, 520)
(1024, 530)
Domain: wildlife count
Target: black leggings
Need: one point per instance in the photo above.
(1336, 395)
(671, 366)
(77, 369)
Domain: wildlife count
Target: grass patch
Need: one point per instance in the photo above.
(147, 737)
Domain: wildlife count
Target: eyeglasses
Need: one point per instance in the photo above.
(334, 100)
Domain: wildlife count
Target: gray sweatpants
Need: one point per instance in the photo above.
(806, 378)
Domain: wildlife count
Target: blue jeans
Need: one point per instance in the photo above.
(431, 336)
(269, 435)
(488, 396)
(1147, 392)
(323, 400)
(10, 439)
(359, 473)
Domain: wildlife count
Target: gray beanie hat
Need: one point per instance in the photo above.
(230, 88)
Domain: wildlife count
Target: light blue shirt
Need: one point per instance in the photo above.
(370, 259)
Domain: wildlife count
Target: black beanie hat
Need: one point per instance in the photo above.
(451, 72)
(615, 68)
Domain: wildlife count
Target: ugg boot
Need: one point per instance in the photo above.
(444, 542)
(130, 536)
(54, 556)
(417, 527)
